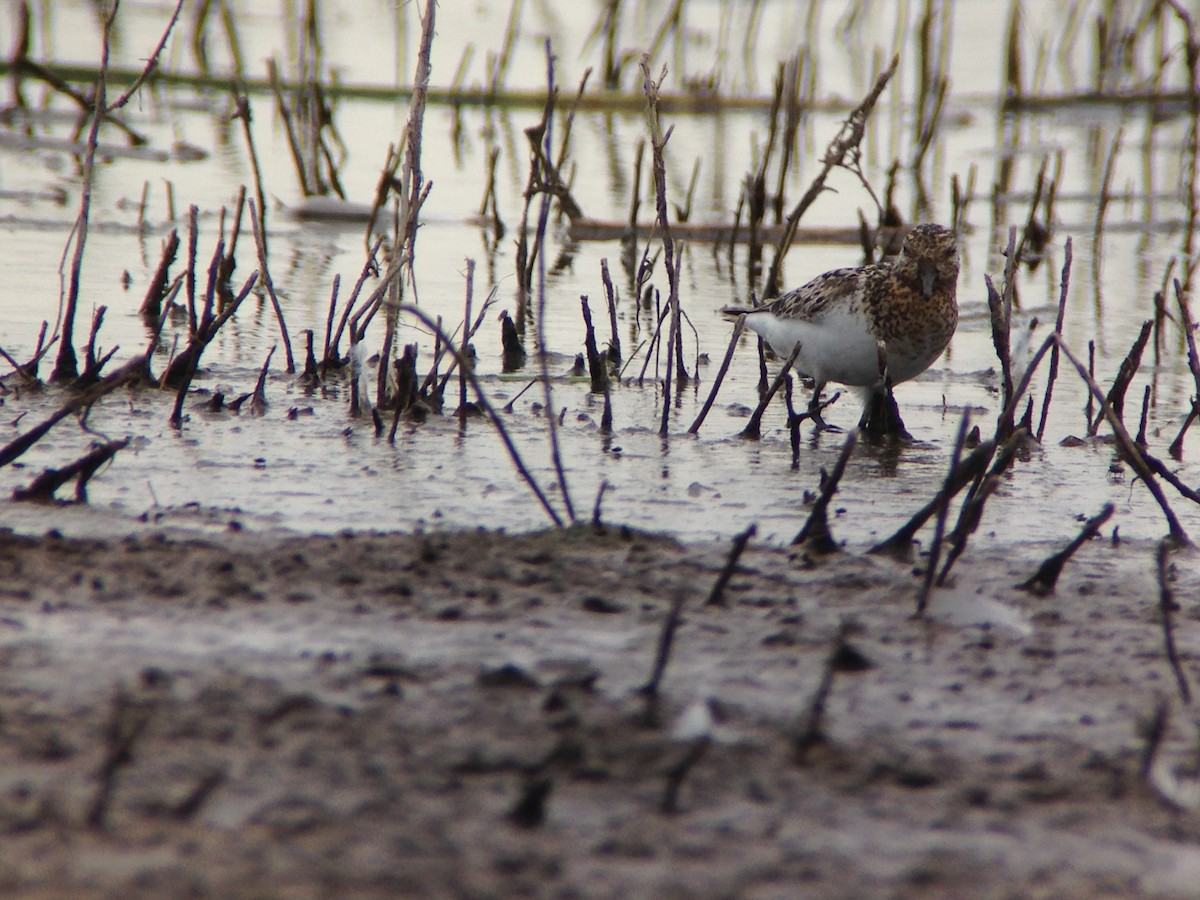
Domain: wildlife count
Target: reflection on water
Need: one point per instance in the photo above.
(325, 471)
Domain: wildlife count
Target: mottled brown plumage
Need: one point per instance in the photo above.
(846, 321)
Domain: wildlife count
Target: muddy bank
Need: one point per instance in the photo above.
(456, 715)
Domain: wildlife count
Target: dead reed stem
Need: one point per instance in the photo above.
(261, 245)
(545, 138)
(206, 330)
(462, 369)
(662, 653)
(43, 487)
(716, 597)
(1125, 375)
(658, 143)
(970, 514)
(753, 429)
(1166, 607)
(66, 366)
(1128, 448)
(843, 146)
(812, 730)
(1045, 578)
(128, 373)
(1058, 327)
(481, 398)
(943, 507)
(129, 719)
(738, 327)
(815, 535)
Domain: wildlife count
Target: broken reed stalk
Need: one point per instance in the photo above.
(976, 462)
(658, 143)
(1045, 578)
(127, 374)
(1058, 327)
(597, 365)
(242, 112)
(462, 369)
(151, 307)
(129, 720)
(43, 487)
(1193, 360)
(545, 138)
(481, 398)
(753, 429)
(679, 772)
(717, 596)
(844, 144)
(260, 243)
(815, 535)
(812, 731)
(738, 327)
(1128, 448)
(1125, 375)
(943, 507)
(662, 653)
(66, 366)
(610, 295)
(1167, 606)
(971, 512)
(206, 330)
(1000, 308)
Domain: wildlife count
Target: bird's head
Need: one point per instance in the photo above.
(930, 256)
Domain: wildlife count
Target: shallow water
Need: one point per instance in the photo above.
(324, 471)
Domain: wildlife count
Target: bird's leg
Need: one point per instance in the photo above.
(815, 407)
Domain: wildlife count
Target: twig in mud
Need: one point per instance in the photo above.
(600, 492)
(738, 327)
(753, 429)
(971, 512)
(597, 364)
(679, 772)
(812, 732)
(900, 543)
(614, 341)
(662, 653)
(43, 487)
(1129, 367)
(815, 535)
(844, 145)
(717, 596)
(129, 720)
(261, 246)
(151, 307)
(370, 267)
(206, 330)
(524, 472)
(258, 399)
(943, 507)
(543, 361)
(1193, 359)
(1058, 327)
(530, 808)
(1000, 306)
(65, 365)
(1129, 449)
(658, 143)
(1046, 577)
(1154, 730)
(1167, 606)
(128, 373)
(462, 369)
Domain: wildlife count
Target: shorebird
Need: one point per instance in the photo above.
(859, 326)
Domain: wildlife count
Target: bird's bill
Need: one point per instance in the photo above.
(927, 275)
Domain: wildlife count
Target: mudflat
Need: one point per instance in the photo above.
(458, 714)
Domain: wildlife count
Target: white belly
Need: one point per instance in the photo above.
(837, 348)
